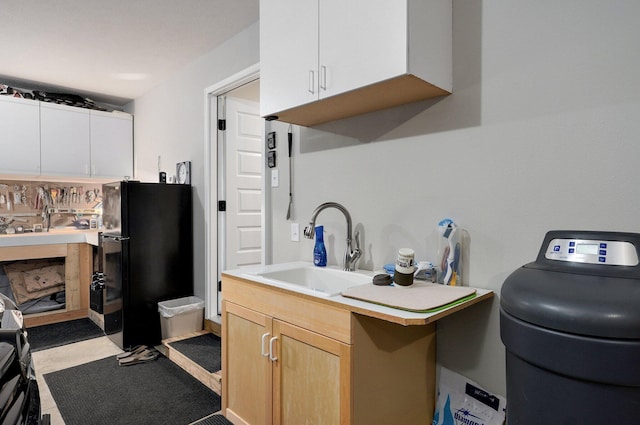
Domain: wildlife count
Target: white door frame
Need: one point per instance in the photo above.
(211, 94)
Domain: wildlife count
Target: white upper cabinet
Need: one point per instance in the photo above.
(47, 139)
(362, 43)
(323, 60)
(288, 54)
(111, 145)
(65, 140)
(20, 136)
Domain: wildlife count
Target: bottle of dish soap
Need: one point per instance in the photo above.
(319, 251)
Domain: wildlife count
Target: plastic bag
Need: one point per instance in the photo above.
(172, 308)
(463, 402)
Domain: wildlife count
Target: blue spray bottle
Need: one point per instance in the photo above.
(319, 251)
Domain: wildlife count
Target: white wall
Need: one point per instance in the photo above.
(541, 133)
(169, 121)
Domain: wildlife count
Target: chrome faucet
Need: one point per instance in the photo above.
(350, 255)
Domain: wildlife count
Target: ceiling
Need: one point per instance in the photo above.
(111, 51)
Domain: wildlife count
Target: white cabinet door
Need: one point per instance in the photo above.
(361, 42)
(19, 136)
(111, 145)
(64, 140)
(288, 54)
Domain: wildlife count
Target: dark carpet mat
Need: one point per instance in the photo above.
(214, 420)
(157, 392)
(57, 334)
(205, 350)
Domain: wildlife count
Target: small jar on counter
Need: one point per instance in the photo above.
(403, 275)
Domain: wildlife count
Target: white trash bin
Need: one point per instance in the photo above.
(181, 316)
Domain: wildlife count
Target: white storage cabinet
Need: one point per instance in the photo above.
(111, 144)
(47, 139)
(19, 136)
(323, 60)
(65, 134)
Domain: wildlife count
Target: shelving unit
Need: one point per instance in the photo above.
(78, 267)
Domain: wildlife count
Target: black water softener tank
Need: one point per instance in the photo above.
(570, 322)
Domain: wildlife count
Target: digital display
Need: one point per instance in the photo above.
(587, 248)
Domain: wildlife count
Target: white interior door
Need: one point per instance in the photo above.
(240, 177)
(245, 129)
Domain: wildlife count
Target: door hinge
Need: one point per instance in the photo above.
(222, 206)
(219, 286)
(222, 125)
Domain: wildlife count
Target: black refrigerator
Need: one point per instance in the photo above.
(146, 256)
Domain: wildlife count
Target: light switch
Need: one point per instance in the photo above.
(295, 232)
(275, 178)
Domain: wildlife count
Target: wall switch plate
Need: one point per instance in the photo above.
(275, 178)
(295, 232)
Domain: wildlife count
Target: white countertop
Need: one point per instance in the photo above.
(357, 306)
(50, 238)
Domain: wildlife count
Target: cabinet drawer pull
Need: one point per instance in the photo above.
(271, 346)
(323, 78)
(312, 82)
(264, 353)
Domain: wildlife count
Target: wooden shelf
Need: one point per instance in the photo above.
(78, 268)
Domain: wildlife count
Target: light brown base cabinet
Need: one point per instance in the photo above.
(293, 359)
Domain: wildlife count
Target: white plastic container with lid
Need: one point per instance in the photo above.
(403, 275)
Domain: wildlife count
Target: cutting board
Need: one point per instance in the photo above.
(420, 297)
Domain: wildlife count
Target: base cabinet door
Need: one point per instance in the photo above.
(246, 381)
(310, 378)
(278, 373)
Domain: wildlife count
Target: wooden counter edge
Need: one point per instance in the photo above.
(372, 313)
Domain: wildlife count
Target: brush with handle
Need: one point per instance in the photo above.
(290, 140)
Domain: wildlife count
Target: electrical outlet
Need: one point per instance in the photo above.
(275, 178)
(295, 232)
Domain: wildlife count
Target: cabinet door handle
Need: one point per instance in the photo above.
(323, 78)
(264, 353)
(272, 342)
(312, 82)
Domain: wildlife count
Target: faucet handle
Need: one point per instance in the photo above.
(352, 255)
(308, 231)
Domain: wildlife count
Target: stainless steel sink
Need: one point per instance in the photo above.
(316, 280)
